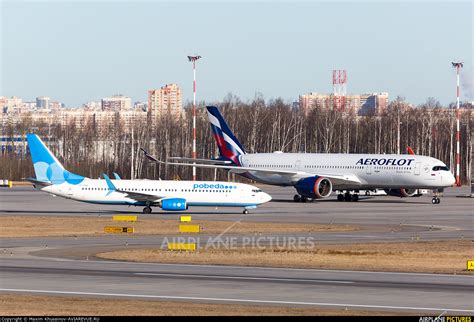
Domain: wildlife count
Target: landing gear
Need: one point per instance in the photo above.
(298, 198)
(245, 212)
(147, 210)
(436, 193)
(348, 197)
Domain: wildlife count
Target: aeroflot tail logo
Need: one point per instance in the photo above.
(212, 186)
(394, 162)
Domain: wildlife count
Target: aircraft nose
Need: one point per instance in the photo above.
(266, 197)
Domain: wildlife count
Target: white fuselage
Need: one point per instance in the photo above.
(372, 170)
(196, 193)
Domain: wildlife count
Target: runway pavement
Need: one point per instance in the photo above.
(423, 293)
(59, 265)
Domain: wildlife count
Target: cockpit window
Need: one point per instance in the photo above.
(256, 190)
(440, 168)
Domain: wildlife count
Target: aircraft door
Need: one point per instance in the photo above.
(369, 169)
(298, 165)
(417, 168)
(70, 191)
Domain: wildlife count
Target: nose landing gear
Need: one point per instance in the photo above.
(436, 193)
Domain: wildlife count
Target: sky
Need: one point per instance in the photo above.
(80, 51)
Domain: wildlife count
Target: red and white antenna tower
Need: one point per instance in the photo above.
(193, 59)
(458, 67)
(339, 81)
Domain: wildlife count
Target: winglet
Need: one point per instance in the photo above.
(109, 183)
(117, 177)
(410, 151)
(149, 157)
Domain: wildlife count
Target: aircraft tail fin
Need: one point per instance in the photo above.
(47, 166)
(229, 147)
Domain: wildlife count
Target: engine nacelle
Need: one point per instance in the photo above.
(314, 187)
(174, 204)
(402, 193)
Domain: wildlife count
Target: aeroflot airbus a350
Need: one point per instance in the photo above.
(51, 177)
(316, 175)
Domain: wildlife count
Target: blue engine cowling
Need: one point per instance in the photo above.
(314, 187)
(174, 204)
(401, 192)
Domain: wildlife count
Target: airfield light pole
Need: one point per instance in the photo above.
(458, 67)
(193, 59)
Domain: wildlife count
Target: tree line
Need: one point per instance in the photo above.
(261, 126)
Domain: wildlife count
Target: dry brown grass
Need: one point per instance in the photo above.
(433, 257)
(28, 305)
(47, 226)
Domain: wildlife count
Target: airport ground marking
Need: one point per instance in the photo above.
(275, 268)
(124, 218)
(189, 228)
(185, 219)
(470, 265)
(254, 301)
(247, 278)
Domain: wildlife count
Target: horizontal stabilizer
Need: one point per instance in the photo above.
(38, 182)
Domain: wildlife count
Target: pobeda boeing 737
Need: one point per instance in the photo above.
(316, 175)
(51, 177)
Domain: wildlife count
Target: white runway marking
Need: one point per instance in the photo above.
(246, 278)
(267, 268)
(166, 297)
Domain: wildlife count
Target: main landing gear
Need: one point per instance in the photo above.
(147, 210)
(348, 197)
(245, 212)
(298, 198)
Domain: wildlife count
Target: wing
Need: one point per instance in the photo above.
(201, 161)
(294, 176)
(137, 196)
(142, 197)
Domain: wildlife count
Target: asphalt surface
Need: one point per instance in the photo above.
(67, 266)
(219, 284)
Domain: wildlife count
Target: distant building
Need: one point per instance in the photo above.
(165, 101)
(55, 105)
(373, 103)
(140, 106)
(116, 103)
(310, 101)
(94, 106)
(42, 102)
(360, 104)
(10, 105)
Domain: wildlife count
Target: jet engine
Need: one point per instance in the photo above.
(174, 204)
(314, 187)
(401, 192)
